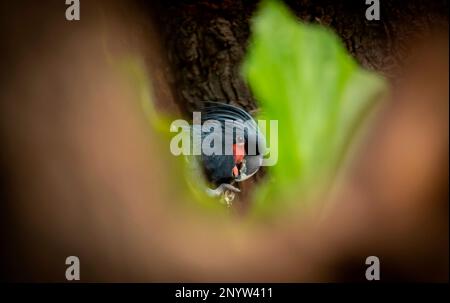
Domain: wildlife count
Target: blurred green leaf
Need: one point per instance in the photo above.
(188, 181)
(302, 76)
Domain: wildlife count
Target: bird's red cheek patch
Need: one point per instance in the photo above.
(238, 152)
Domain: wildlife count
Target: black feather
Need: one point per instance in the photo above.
(218, 168)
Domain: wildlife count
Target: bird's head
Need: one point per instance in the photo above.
(246, 162)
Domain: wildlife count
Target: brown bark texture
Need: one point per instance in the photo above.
(205, 41)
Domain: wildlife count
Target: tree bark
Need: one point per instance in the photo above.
(206, 41)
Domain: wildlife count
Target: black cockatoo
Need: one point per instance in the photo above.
(242, 147)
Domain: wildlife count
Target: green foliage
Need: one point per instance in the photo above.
(302, 76)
